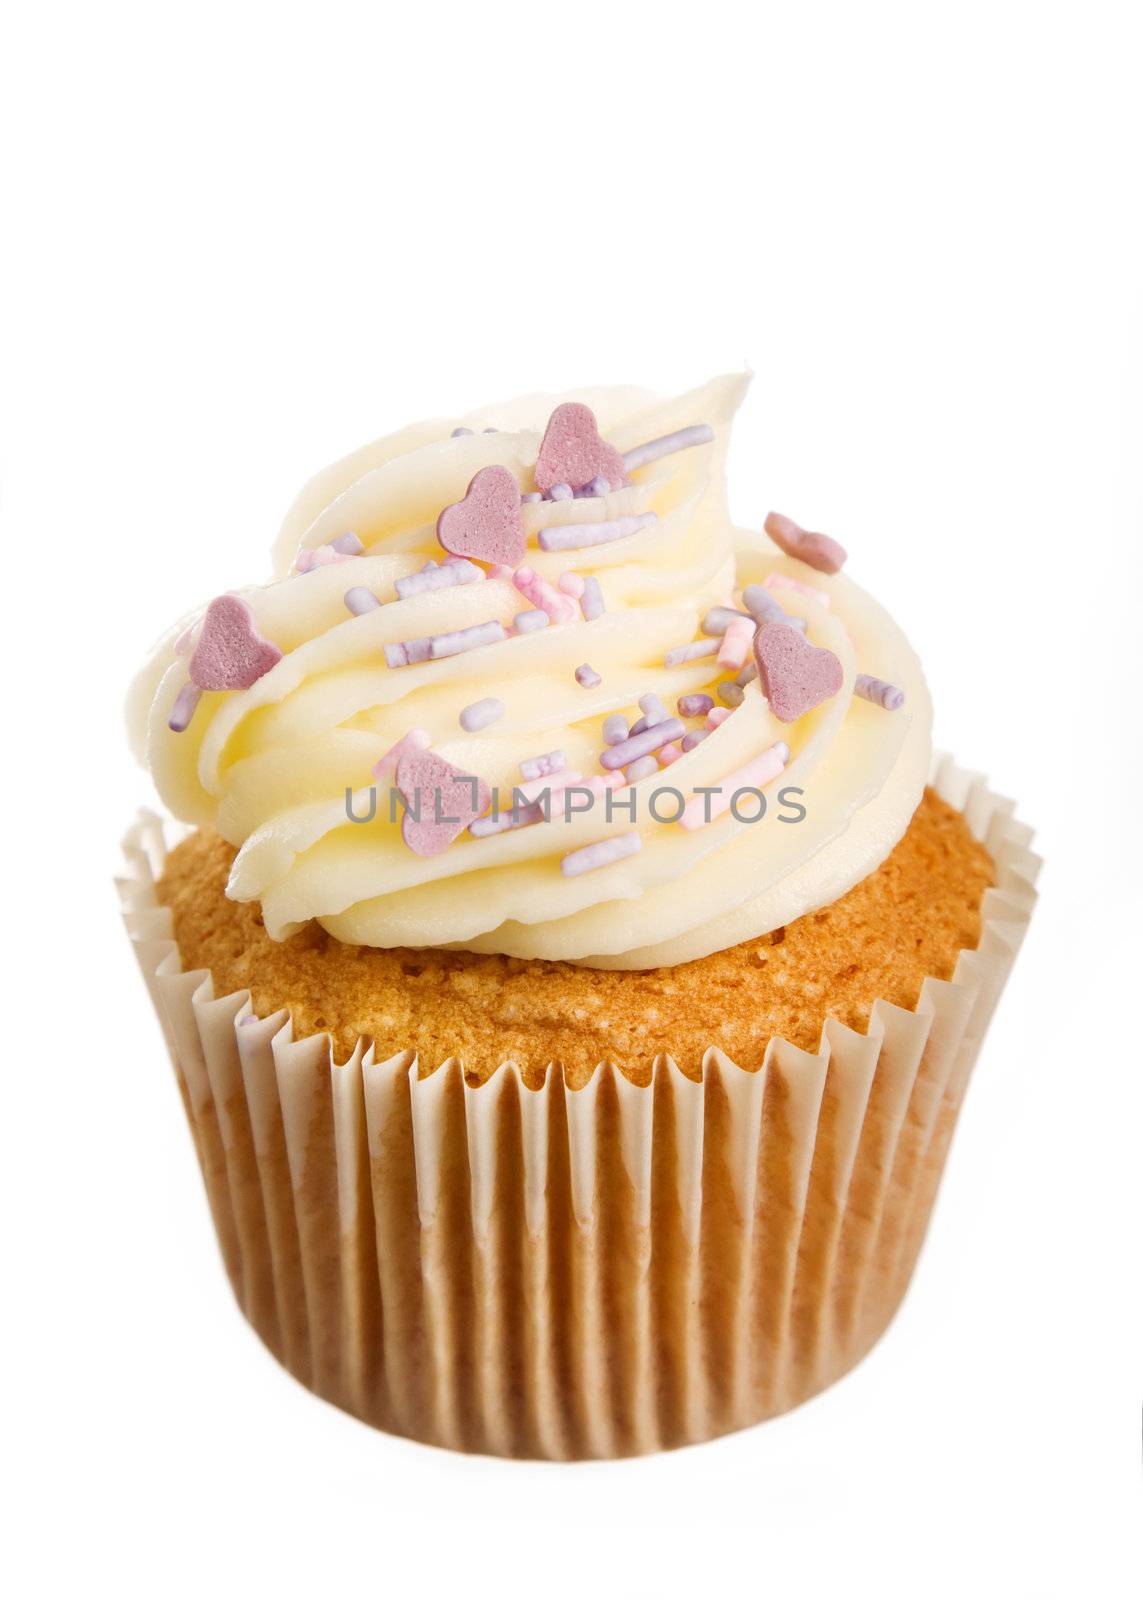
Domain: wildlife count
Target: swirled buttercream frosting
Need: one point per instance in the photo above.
(519, 685)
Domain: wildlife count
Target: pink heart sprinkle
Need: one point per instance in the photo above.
(231, 653)
(441, 801)
(573, 453)
(815, 549)
(795, 675)
(487, 524)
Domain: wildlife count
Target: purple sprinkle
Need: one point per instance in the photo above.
(885, 695)
(639, 726)
(653, 709)
(642, 744)
(696, 737)
(764, 608)
(747, 675)
(643, 768)
(561, 491)
(418, 650)
(461, 639)
(348, 544)
(359, 600)
(586, 676)
(591, 601)
(543, 766)
(481, 714)
(598, 486)
(530, 621)
(438, 577)
(514, 817)
(600, 854)
(531, 498)
(683, 439)
(730, 694)
(615, 729)
(690, 652)
(461, 433)
(719, 618)
(695, 705)
(396, 655)
(582, 535)
(184, 708)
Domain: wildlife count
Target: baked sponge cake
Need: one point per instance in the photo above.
(576, 958)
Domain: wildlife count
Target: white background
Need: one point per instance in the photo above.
(238, 240)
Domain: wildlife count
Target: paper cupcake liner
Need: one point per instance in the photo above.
(589, 1273)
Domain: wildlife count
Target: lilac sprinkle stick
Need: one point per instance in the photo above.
(580, 535)
(601, 854)
(543, 766)
(690, 652)
(696, 737)
(642, 744)
(347, 544)
(683, 439)
(695, 705)
(452, 644)
(445, 576)
(586, 676)
(653, 709)
(615, 729)
(643, 768)
(481, 714)
(885, 695)
(719, 618)
(359, 600)
(184, 708)
(591, 600)
(530, 621)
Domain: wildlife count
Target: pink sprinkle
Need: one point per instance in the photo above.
(543, 766)
(571, 583)
(325, 555)
(779, 580)
(754, 775)
(415, 739)
(694, 705)
(530, 621)
(669, 752)
(690, 652)
(718, 716)
(601, 854)
(643, 768)
(499, 570)
(591, 603)
(359, 600)
(184, 708)
(532, 789)
(736, 642)
(586, 676)
(696, 737)
(541, 593)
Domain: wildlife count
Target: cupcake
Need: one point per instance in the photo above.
(573, 957)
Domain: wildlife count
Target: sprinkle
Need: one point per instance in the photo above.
(815, 549)
(586, 676)
(696, 738)
(231, 653)
(359, 600)
(886, 695)
(730, 694)
(653, 709)
(717, 717)
(764, 608)
(683, 439)
(591, 601)
(499, 570)
(598, 487)
(514, 817)
(736, 642)
(719, 618)
(461, 639)
(572, 452)
(582, 535)
(461, 433)
(615, 729)
(530, 621)
(347, 544)
(601, 854)
(543, 766)
(183, 643)
(640, 726)
(531, 498)
(779, 580)
(432, 577)
(542, 594)
(561, 491)
(481, 714)
(795, 675)
(490, 430)
(488, 523)
(571, 583)
(694, 705)
(324, 555)
(747, 675)
(396, 655)
(415, 739)
(552, 783)
(442, 801)
(642, 744)
(690, 652)
(184, 708)
(754, 775)
(643, 768)
(669, 752)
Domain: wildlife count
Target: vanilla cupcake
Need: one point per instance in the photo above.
(572, 981)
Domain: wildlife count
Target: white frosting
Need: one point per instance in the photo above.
(269, 766)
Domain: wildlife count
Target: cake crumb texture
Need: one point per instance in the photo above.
(907, 920)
